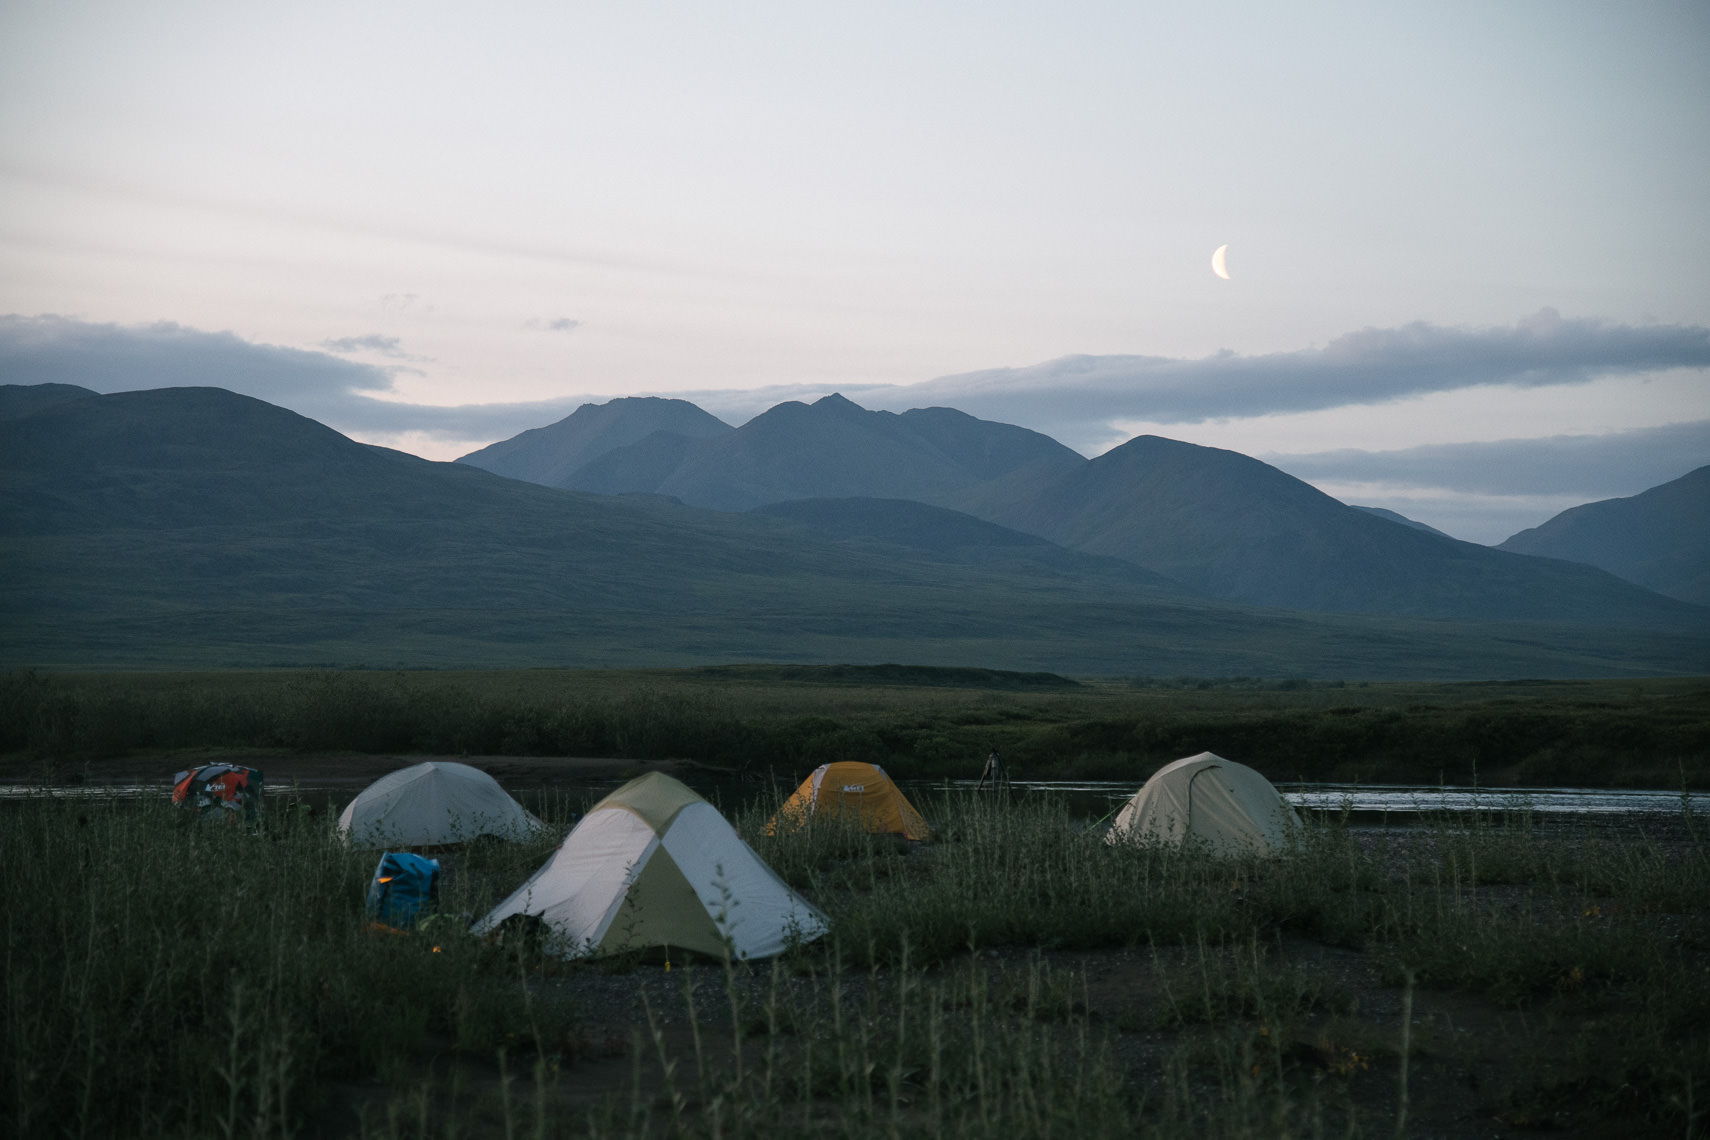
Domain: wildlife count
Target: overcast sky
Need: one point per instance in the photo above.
(1469, 262)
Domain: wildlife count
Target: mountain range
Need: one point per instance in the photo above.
(1220, 524)
(1659, 538)
(194, 527)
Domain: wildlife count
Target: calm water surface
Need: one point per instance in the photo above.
(1368, 804)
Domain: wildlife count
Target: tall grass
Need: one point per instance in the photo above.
(1006, 871)
(169, 975)
(164, 976)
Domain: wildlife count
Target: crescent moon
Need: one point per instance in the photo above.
(1220, 263)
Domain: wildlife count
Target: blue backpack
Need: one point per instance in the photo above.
(403, 884)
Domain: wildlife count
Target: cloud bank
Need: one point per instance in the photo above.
(1076, 398)
(1620, 463)
(348, 395)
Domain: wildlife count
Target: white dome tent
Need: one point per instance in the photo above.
(1224, 805)
(653, 864)
(432, 805)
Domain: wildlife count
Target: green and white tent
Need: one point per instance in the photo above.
(653, 864)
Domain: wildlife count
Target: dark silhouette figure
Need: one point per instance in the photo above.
(994, 772)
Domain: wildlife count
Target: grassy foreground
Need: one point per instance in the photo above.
(1016, 978)
(915, 721)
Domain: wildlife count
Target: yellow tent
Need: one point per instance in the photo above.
(860, 790)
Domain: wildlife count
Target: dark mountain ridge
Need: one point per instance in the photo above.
(1659, 538)
(549, 455)
(829, 449)
(198, 528)
(1229, 526)
(18, 400)
(1218, 523)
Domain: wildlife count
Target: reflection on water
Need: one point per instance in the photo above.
(1089, 799)
(1577, 801)
(1364, 802)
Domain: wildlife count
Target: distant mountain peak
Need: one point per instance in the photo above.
(837, 402)
(550, 455)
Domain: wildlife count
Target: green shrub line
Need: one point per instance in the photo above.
(169, 976)
(1615, 733)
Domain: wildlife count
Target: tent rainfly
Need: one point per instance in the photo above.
(1225, 805)
(653, 864)
(857, 790)
(431, 805)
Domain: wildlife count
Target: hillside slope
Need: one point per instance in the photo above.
(1228, 526)
(1659, 538)
(904, 528)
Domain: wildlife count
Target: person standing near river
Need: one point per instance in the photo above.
(994, 772)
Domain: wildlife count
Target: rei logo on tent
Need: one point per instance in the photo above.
(856, 791)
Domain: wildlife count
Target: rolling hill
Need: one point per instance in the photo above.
(198, 528)
(1228, 526)
(1659, 538)
(18, 400)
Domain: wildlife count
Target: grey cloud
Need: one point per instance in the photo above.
(1597, 466)
(372, 342)
(460, 422)
(113, 358)
(561, 324)
(1077, 397)
(340, 393)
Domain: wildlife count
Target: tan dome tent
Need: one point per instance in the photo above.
(1225, 805)
(432, 805)
(855, 790)
(653, 864)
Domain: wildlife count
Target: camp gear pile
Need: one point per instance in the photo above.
(404, 885)
(220, 787)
